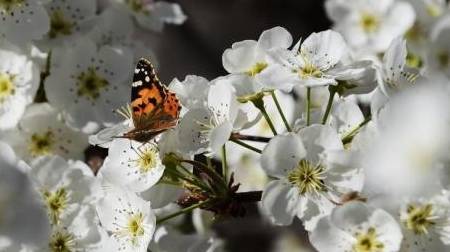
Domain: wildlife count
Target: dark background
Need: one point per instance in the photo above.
(196, 47)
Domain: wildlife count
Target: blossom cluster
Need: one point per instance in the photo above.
(347, 130)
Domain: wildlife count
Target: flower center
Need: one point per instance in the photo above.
(9, 5)
(56, 203)
(368, 242)
(137, 6)
(6, 86)
(415, 33)
(90, 84)
(59, 25)
(147, 159)
(62, 241)
(419, 218)
(256, 69)
(309, 70)
(135, 226)
(414, 60)
(369, 22)
(307, 177)
(41, 144)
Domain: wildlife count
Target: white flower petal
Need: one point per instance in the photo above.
(282, 154)
(280, 202)
(240, 57)
(274, 38)
(324, 49)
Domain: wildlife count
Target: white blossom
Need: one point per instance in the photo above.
(312, 173)
(64, 187)
(19, 81)
(128, 218)
(320, 60)
(23, 21)
(426, 224)
(357, 227)
(248, 59)
(95, 84)
(153, 15)
(132, 165)
(42, 131)
(370, 24)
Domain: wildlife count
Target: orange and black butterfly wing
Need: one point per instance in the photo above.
(154, 107)
(147, 94)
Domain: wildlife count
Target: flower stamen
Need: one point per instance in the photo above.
(308, 178)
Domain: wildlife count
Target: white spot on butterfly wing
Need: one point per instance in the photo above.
(137, 83)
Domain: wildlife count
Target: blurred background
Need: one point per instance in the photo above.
(196, 47)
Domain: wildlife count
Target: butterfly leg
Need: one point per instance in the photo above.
(150, 141)
(137, 151)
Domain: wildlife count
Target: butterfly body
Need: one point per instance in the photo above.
(154, 109)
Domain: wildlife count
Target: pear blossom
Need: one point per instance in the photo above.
(192, 91)
(357, 227)
(132, 165)
(95, 83)
(78, 234)
(246, 60)
(64, 187)
(19, 81)
(312, 173)
(370, 25)
(394, 74)
(23, 21)
(68, 20)
(114, 27)
(41, 132)
(153, 15)
(209, 128)
(128, 218)
(320, 60)
(426, 223)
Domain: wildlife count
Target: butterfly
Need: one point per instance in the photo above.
(154, 109)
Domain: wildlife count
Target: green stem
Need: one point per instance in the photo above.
(250, 138)
(259, 104)
(182, 211)
(224, 163)
(245, 145)
(195, 182)
(308, 106)
(286, 124)
(329, 105)
(348, 137)
(208, 170)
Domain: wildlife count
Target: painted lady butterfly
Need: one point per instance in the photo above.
(154, 109)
